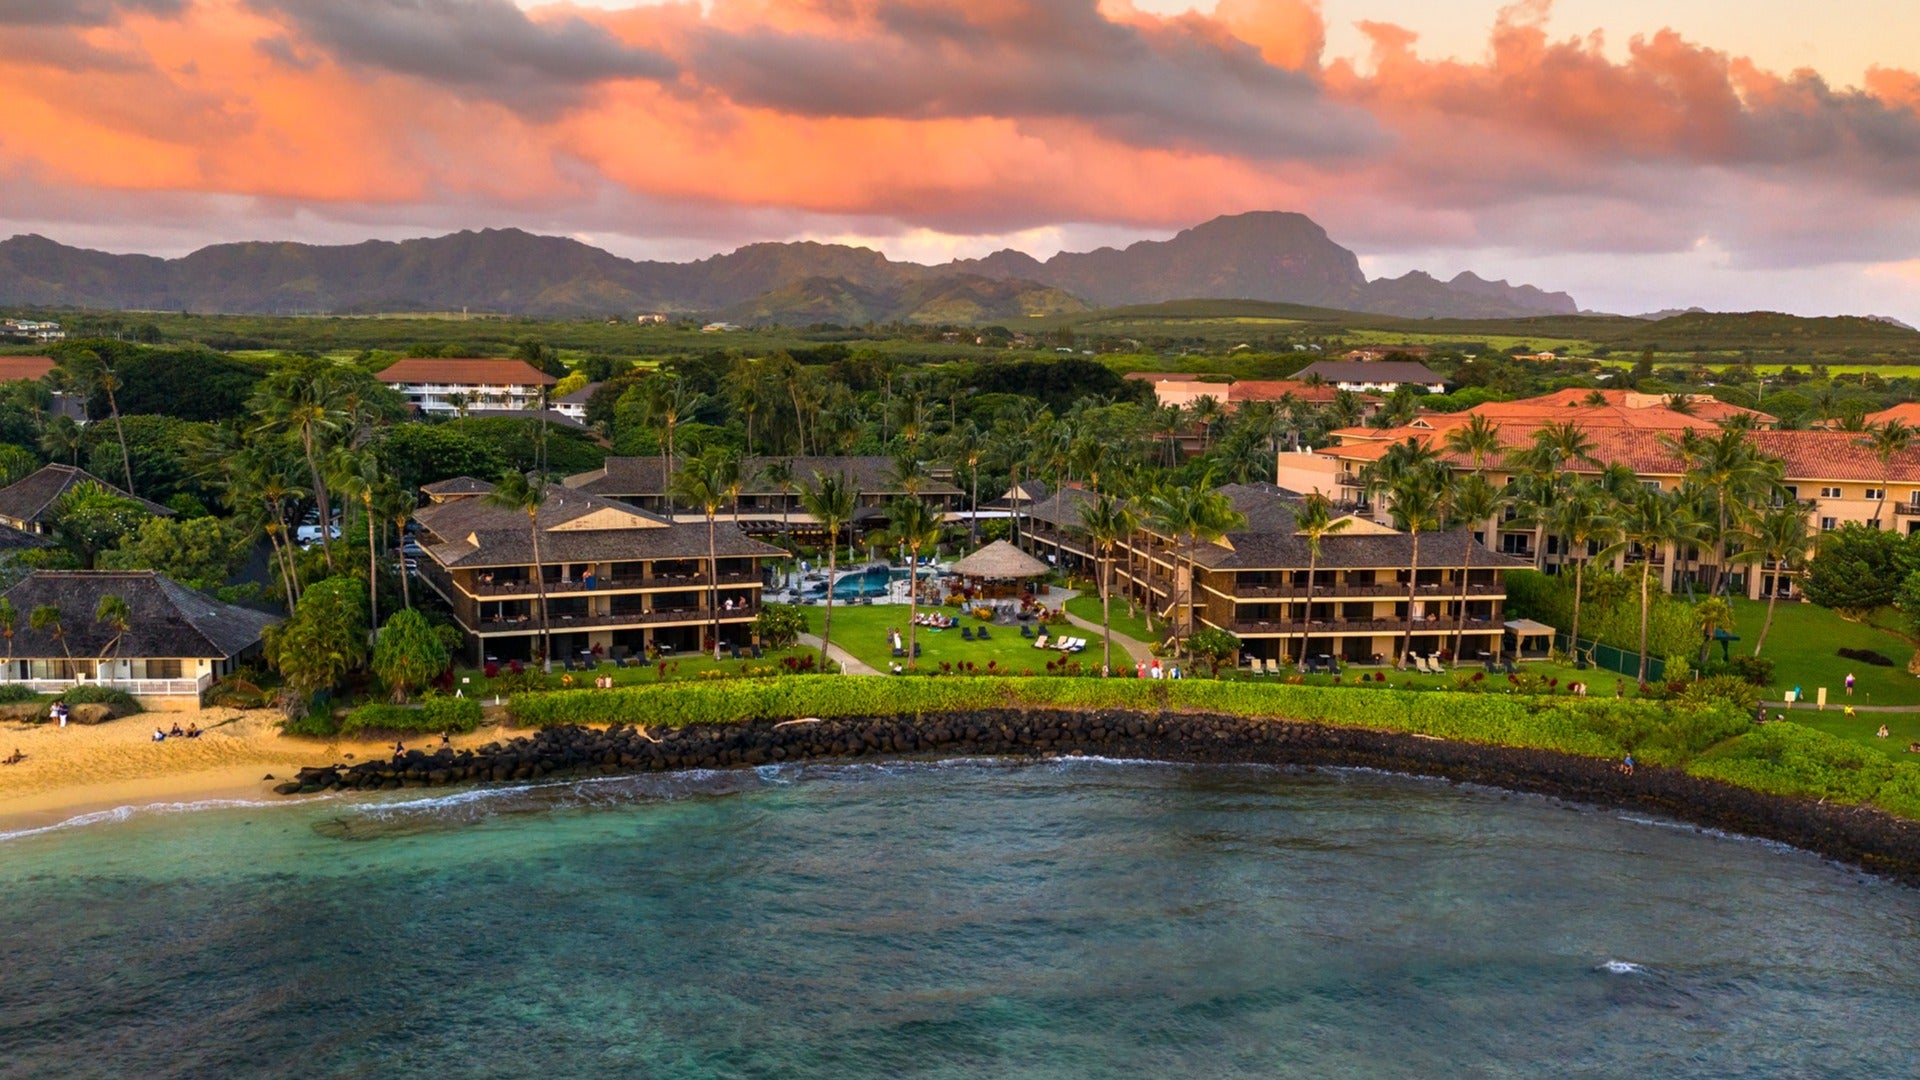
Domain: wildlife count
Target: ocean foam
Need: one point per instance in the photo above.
(125, 813)
(1621, 967)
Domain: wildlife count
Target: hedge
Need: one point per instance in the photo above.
(1796, 760)
(1597, 728)
(433, 714)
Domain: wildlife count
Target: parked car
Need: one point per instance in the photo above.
(308, 535)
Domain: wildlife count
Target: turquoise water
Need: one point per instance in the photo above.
(1067, 919)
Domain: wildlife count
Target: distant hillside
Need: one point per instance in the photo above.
(1268, 256)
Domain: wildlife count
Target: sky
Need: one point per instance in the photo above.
(1641, 155)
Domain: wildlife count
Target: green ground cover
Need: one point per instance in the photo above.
(862, 631)
(474, 682)
(1803, 647)
(1087, 606)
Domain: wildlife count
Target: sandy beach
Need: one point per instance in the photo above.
(77, 770)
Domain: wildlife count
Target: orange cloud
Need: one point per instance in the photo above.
(989, 116)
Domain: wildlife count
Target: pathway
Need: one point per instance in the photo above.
(1137, 651)
(849, 663)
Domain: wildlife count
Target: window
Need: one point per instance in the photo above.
(163, 669)
(1829, 492)
(1650, 485)
(1828, 524)
(1875, 494)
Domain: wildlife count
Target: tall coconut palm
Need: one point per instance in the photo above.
(307, 406)
(1780, 536)
(1713, 614)
(527, 494)
(45, 619)
(779, 473)
(1887, 441)
(1652, 520)
(1315, 522)
(63, 438)
(1477, 440)
(831, 499)
(87, 371)
(1417, 508)
(357, 477)
(1728, 472)
(967, 445)
(1173, 512)
(9, 619)
(705, 482)
(1470, 500)
(113, 613)
(396, 504)
(1583, 519)
(916, 525)
(1107, 523)
(670, 401)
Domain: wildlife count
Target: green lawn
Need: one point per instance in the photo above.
(685, 666)
(1803, 646)
(1088, 608)
(862, 631)
(1599, 683)
(1862, 728)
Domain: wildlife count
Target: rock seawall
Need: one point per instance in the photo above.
(1860, 836)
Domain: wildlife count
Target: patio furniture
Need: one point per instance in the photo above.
(966, 634)
(757, 654)
(1026, 631)
(982, 635)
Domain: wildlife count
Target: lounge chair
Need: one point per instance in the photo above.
(567, 662)
(1506, 664)
(1040, 642)
(1026, 631)
(966, 633)
(1420, 664)
(757, 654)
(982, 635)
(735, 650)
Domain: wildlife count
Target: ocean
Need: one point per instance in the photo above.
(1077, 918)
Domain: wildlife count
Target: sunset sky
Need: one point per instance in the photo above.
(1639, 154)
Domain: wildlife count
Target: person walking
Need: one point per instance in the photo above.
(1849, 684)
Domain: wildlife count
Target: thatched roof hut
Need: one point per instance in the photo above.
(1000, 561)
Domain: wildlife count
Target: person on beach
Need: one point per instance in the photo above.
(1849, 684)
(159, 735)
(193, 730)
(177, 732)
(399, 748)
(16, 758)
(1882, 732)
(59, 711)
(1627, 765)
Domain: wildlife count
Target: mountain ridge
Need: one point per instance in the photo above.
(1264, 255)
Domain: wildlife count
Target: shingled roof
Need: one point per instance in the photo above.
(626, 477)
(30, 499)
(1371, 371)
(575, 526)
(169, 619)
(465, 372)
(1383, 550)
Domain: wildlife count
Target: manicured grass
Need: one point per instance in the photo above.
(1087, 606)
(1803, 646)
(1902, 728)
(1599, 683)
(862, 631)
(684, 666)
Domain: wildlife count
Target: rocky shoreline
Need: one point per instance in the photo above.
(1859, 836)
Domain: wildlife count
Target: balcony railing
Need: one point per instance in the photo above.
(1357, 626)
(1906, 509)
(136, 687)
(519, 587)
(564, 623)
(1287, 591)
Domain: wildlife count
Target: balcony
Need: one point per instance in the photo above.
(629, 584)
(1258, 627)
(1905, 509)
(563, 623)
(1290, 591)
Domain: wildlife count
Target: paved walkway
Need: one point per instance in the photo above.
(1136, 650)
(1837, 705)
(849, 663)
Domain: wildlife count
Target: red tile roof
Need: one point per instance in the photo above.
(466, 372)
(1907, 412)
(1277, 389)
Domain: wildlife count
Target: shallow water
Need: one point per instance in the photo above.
(1067, 919)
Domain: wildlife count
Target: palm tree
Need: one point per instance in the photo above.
(1172, 511)
(306, 405)
(1651, 520)
(397, 504)
(1713, 613)
(461, 402)
(357, 476)
(1583, 519)
(967, 445)
(916, 525)
(1416, 508)
(1316, 522)
(831, 499)
(63, 438)
(87, 371)
(1726, 470)
(1107, 523)
(1478, 439)
(779, 473)
(1470, 499)
(45, 619)
(527, 494)
(114, 613)
(1887, 441)
(705, 482)
(1782, 537)
(8, 618)
(1207, 412)
(670, 402)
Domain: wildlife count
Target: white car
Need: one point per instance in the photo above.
(307, 535)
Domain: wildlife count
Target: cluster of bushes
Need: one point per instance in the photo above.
(434, 714)
(16, 694)
(122, 703)
(1704, 729)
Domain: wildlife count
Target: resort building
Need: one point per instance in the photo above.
(1835, 475)
(574, 406)
(29, 504)
(34, 330)
(175, 643)
(1374, 376)
(436, 387)
(1367, 589)
(763, 506)
(616, 577)
(1183, 391)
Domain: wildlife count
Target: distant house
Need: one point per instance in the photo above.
(574, 405)
(176, 644)
(27, 504)
(1381, 352)
(1374, 376)
(650, 319)
(431, 385)
(36, 369)
(761, 505)
(32, 330)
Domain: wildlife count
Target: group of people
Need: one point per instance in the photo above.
(192, 731)
(1145, 670)
(935, 622)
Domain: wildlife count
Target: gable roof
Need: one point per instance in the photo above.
(1370, 371)
(31, 498)
(626, 477)
(1350, 550)
(575, 526)
(469, 372)
(1280, 389)
(580, 396)
(169, 619)
(458, 485)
